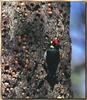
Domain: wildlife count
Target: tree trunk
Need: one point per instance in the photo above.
(26, 35)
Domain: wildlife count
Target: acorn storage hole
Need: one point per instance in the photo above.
(6, 67)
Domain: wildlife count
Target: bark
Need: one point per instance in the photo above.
(25, 37)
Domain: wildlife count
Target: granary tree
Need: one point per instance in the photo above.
(28, 30)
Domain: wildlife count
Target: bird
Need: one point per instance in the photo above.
(52, 59)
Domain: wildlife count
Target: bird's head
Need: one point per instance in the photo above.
(55, 42)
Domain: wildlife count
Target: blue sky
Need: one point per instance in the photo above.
(77, 32)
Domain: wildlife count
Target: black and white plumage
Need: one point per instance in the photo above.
(52, 59)
(51, 55)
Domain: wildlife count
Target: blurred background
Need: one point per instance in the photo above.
(77, 32)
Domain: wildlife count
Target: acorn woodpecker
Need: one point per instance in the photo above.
(52, 59)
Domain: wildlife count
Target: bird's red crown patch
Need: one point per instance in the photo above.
(55, 41)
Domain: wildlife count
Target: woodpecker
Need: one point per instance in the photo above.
(52, 59)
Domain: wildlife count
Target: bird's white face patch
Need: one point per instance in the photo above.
(51, 46)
